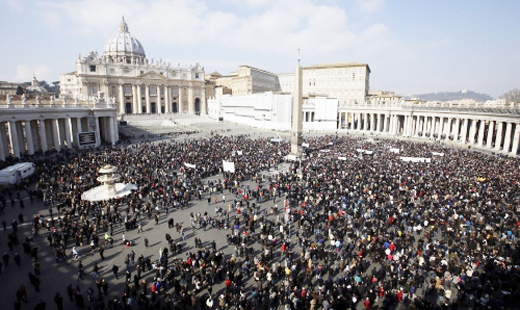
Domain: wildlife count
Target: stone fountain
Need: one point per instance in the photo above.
(110, 188)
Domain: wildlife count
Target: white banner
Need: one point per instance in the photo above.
(416, 159)
(342, 158)
(239, 152)
(394, 150)
(190, 165)
(228, 166)
(438, 154)
(305, 144)
(365, 151)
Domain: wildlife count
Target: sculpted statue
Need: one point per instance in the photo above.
(39, 100)
(52, 100)
(24, 98)
(8, 99)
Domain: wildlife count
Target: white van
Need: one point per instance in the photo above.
(15, 173)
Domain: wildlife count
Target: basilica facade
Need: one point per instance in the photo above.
(139, 85)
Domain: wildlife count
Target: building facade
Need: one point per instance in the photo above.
(248, 80)
(140, 85)
(346, 81)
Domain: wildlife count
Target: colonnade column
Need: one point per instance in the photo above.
(507, 139)
(472, 131)
(491, 132)
(56, 141)
(68, 132)
(147, 95)
(516, 138)
(13, 137)
(498, 140)
(121, 99)
(456, 130)
(43, 135)
(481, 130)
(464, 131)
(448, 128)
(29, 138)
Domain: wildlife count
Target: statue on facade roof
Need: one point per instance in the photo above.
(8, 99)
(24, 98)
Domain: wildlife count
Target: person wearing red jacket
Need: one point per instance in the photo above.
(367, 303)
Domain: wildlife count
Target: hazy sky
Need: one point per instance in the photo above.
(411, 46)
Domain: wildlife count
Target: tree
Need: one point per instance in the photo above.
(19, 90)
(512, 95)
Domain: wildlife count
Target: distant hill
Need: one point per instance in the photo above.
(448, 96)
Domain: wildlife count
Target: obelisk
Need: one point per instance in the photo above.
(297, 115)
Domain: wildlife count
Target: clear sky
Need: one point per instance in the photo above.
(411, 46)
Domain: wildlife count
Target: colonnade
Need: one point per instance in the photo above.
(500, 133)
(29, 136)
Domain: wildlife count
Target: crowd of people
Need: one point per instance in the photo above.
(350, 225)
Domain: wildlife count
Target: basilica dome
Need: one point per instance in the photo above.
(124, 44)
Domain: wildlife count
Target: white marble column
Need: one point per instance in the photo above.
(167, 103)
(147, 95)
(181, 108)
(134, 99)
(68, 132)
(490, 133)
(158, 104)
(481, 131)
(122, 99)
(440, 127)
(29, 137)
(498, 140)
(456, 130)
(43, 135)
(507, 139)
(472, 131)
(447, 129)
(516, 138)
(112, 130)
(464, 131)
(139, 99)
(55, 136)
(13, 139)
(191, 103)
(98, 131)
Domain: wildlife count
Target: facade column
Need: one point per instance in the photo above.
(68, 132)
(139, 99)
(372, 121)
(29, 138)
(122, 99)
(490, 133)
(55, 137)
(498, 140)
(507, 139)
(464, 131)
(43, 135)
(481, 130)
(378, 127)
(112, 130)
(167, 103)
(13, 137)
(180, 108)
(158, 104)
(147, 94)
(204, 102)
(516, 138)
(191, 104)
(134, 99)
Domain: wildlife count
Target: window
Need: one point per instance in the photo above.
(112, 71)
(92, 68)
(141, 72)
(69, 80)
(94, 89)
(196, 75)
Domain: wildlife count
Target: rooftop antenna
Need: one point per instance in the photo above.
(299, 58)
